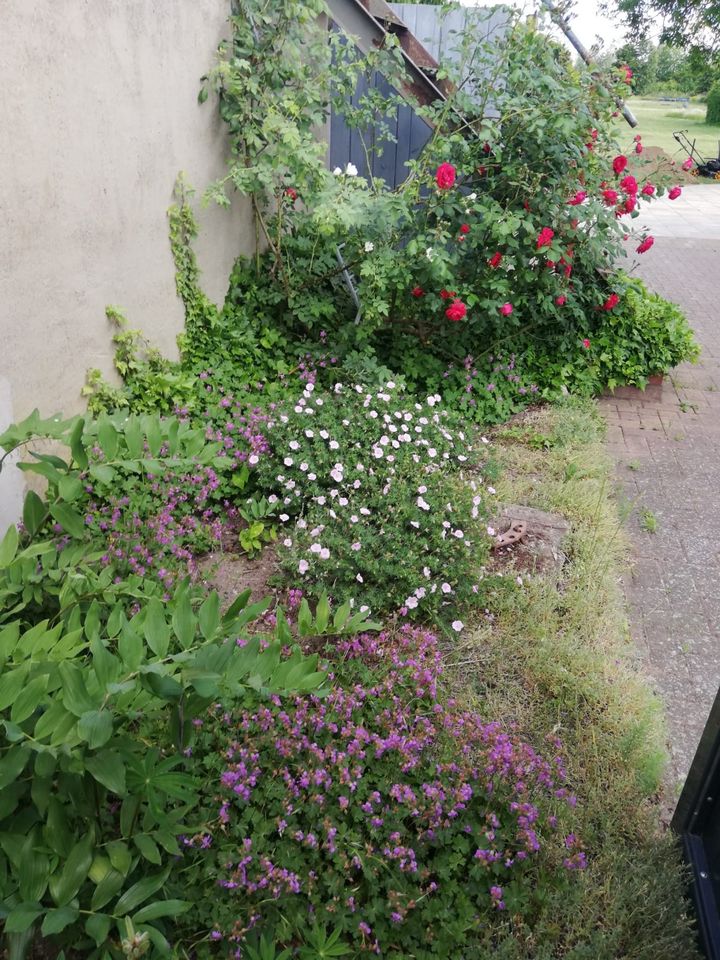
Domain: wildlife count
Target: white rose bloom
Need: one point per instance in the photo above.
(369, 246)
(337, 171)
(351, 170)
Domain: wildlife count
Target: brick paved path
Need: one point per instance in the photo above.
(667, 445)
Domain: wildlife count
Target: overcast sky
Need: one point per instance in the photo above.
(585, 20)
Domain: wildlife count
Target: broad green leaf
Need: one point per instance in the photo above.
(74, 692)
(148, 848)
(162, 908)
(8, 639)
(51, 720)
(130, 647)
(153, 433)
(34, 512)
(238, 604)
(22, 917)
(97, 926)
(105, 664)
(156, 628)
(341, 617)
(69, 519)
(139, 892)
(96, 727)
(56, 831)
(56, 920)
(29, 699)
(322, 614)
(65, 886)
(70, 488)
(13, 764)
(134, 437)
(8, 547)
(11, 684)
(120, 856)
(107, 437)
(108, 768)
(102, 472)
(184, 622)
(110, 885)
(34, 872)
(115, 620)
(77, 447)
(209, 616)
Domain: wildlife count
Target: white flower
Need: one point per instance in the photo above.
(426, 571)
(337, 172)
(354, 518)
(432, 452)
(369, 246)
(324, 553)
(420, 592)
(334, 445)
(315, 548)
(287, 542)
(303, 566)
(355, 546)
(288, 461)
(457, 625)
(336, 475)
(446, 588)
(411, 603)
(422, 489)
(284, 517)
(309, 387)
(491, 531)
(491, 489)
(312, 476)
(429, 253)
(252, 460)
(364, 511)
(422, 504)
(324, 434)
(343, 501)
(359, 578)
(364, 608)
(351, 170)
(321, 501)
(472, 196)
(301, 524)
(303, 467)
(294, 445)
(309, 434)
(459, 534)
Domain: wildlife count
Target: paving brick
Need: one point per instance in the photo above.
(673, 590)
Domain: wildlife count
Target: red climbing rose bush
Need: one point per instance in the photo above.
(519, 203)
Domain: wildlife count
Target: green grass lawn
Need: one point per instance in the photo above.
(657, 121)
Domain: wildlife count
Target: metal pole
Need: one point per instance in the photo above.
(564, 25)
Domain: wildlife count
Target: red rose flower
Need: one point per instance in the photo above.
(629, 205)
(612, 301)
(619, 164)
(578, 198)
(687, 164)
(629, 185)
(445, 176)
(291, 193)
(447, 294)
(586, 343)
(417, 292)
(594, 134)
(638, 147)
(486, 148)
(610, 197)
(646, 244)
(648, 190)
(674, 193)
(544, 238)
(464, 228)
(456, 311)
(628, 73)
(560, 300)
(506, 309)
(495, 260)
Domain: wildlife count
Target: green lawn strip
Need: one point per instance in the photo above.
(657, 121)
(559, 660)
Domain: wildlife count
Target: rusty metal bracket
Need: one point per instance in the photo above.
(514, 534)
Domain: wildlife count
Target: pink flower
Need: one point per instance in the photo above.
(417, 292)
(447, 294)
(638, 147)
(586, 344)
(629, 185)
(544, 238)
(577, 199)
(628, 73)
(648, 190)
(610, 197)
(674, 193)
(456, 311)
(464, 228)
(612, 301)
(445, 176)
(619, 163)
(687, 164)
(646, 244)
(506, 309)
(495, 260)
(560, 300)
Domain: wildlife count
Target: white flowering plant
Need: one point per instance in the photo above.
(382, 499)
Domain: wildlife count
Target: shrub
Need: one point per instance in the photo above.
(380, 497)
(712, 113)
(384, 815)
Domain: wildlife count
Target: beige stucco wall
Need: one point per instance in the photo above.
(98, 114)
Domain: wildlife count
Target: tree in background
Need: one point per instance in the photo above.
(693, 25)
